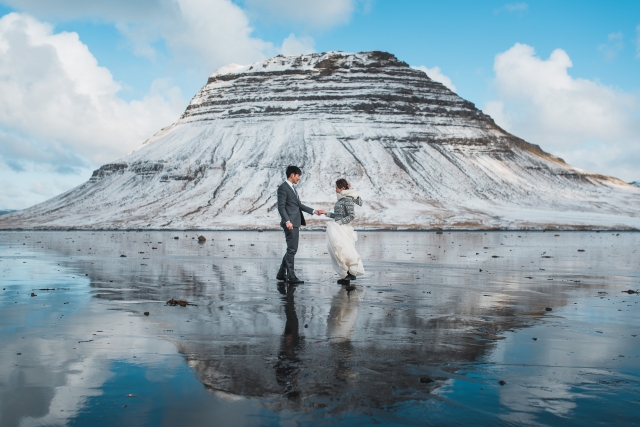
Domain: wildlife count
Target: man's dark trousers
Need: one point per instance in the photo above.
(288, 261)
(290, 210)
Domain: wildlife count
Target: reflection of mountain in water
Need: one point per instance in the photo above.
(423, 306)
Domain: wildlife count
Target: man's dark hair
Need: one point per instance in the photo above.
(293, 170)
(342, 184)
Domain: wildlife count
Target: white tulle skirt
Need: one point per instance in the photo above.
(341, 243)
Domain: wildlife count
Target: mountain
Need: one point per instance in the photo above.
(420, 156)
(635, 183)
(6, 211)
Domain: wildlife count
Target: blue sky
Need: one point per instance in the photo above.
(84, 83)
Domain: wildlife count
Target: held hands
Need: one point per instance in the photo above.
(316, 212)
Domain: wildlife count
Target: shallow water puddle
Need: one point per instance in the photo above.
(445, 329)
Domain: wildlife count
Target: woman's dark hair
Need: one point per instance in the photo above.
(293, 170)
(342, 184)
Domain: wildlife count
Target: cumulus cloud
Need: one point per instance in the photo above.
(589, 124)
(294, 45)
(205, 33)
(60, 113)
(314, 13)
(216, 30)
(613, 45)
(435, 73)
(55, 94)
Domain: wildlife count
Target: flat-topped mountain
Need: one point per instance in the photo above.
(420, 156)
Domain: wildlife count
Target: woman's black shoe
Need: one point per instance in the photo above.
(344, 281)
(350, 277)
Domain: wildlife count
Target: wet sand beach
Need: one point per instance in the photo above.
(457, 328)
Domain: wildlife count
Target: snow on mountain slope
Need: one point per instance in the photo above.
(420, 156)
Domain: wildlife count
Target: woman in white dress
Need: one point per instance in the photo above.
(341, 237)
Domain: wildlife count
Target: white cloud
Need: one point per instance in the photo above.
(294, 45)
(613, 45)
(60, 113)
(59, 110)
(202, 35)
(54, 91)
(435, 73)
(325, 13)
(205, 34)
(589, 124)
(215, 30)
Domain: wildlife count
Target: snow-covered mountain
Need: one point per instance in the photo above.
(635, 183)
(420, 156)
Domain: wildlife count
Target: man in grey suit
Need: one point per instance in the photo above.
(291, 218)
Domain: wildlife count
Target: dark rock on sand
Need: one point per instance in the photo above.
(180, 302)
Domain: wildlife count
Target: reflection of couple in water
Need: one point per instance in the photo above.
(341, 237)
(340, 325)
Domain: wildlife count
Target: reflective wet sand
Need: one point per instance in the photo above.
(445, 329)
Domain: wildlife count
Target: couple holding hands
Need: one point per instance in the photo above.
(341, 237)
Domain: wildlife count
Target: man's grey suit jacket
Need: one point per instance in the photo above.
(290, 208)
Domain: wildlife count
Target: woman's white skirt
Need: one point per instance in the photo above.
(341, 243)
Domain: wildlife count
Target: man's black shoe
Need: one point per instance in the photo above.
(344, 282)
(350, 277)
(294, 281)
